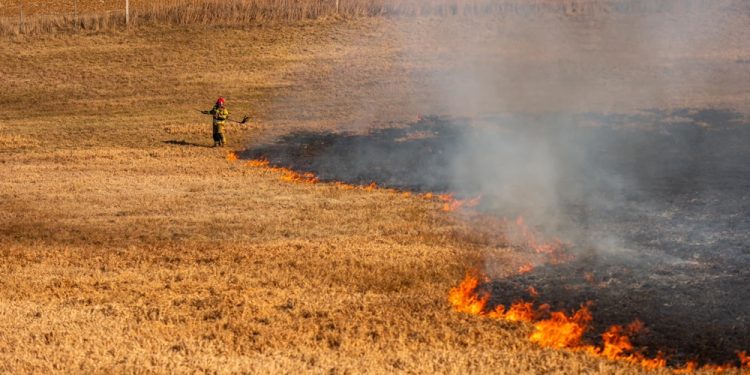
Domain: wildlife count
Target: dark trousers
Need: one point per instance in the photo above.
(219, 138)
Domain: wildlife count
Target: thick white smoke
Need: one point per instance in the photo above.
(525, 80)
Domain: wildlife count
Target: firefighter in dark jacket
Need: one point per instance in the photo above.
(220, 115)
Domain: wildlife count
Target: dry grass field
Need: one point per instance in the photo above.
(127, 245)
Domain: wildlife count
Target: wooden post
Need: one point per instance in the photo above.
(20, 18)
(75, 15)
(127, 12)
(337, 6)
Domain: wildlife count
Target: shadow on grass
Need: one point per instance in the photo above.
(185, 143)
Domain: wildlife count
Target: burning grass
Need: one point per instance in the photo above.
(553, 329)
(560, 330)
(286, 174)
(449, 203)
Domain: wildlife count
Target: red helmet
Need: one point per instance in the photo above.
(220, 101)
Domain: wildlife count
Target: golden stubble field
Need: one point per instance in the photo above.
(129, 246)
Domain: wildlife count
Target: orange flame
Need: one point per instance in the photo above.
(518, 312)
(561, 331)
(687, 368)
(258, 163)
(526, 268)
(232, 156)
(616, 343)
(344, 185)
(465, 299)
(554, 250)
(371, 187)
(286, 174)
(451, 204)
(533, 291)
(445, 197)
(290, 175)
(744, 359)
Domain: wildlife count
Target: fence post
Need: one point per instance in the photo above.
(75, 15)
(127, 12)
(337, 6)
(20, 18)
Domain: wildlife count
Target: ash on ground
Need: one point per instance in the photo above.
(655, 205)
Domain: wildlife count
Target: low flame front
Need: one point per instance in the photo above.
(522, 235)
(450, 203)
(562, 331)
(286, 174)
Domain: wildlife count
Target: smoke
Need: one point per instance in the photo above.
(526, 81)
(579, 124)
(548, 114)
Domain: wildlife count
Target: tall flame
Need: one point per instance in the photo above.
(616, 343)
(562, 331)
(464, 297)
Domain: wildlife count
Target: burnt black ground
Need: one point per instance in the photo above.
(656, 206)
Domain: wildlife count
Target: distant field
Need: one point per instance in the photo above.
(30, 7)
(44, 16)
(12, 8)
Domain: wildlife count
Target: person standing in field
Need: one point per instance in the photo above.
(220, 115)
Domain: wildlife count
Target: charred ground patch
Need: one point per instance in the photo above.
(656, 207)
(412, 158)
